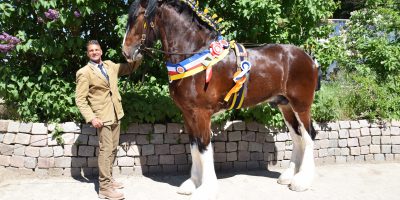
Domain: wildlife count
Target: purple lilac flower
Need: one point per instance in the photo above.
(52, 14)
(5, 48)
(77, 13)
(14, 41)
(6, 36)
(9, 38)
(10, 42)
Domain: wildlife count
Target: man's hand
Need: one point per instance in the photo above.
(97, 123)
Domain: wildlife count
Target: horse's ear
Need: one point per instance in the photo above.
(150, 9)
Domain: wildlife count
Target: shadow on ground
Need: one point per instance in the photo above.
(179, 179)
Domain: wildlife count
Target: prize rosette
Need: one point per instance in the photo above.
(245, 65)
(216, 49)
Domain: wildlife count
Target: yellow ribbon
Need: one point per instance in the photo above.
(235, 88)
(188, 73)
(199, 68)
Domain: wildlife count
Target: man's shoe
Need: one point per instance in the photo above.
(111, 193)
(116, 185)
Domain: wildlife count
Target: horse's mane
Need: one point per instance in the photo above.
(180, 7)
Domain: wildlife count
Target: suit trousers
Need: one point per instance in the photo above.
(108, 143)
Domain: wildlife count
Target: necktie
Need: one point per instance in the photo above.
(100, 66)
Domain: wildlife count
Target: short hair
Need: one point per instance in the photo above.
(90, 42)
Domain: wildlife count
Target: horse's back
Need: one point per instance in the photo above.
(279, 69)
(290, 59)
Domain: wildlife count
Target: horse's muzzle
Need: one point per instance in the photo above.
(133, 55)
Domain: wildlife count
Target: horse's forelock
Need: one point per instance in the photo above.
(132, 15)
(150, 11)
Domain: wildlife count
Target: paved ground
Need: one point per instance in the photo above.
(349, 181)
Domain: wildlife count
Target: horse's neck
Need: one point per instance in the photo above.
(181, 35)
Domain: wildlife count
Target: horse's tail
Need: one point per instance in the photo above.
(319, 75)
(312, 132)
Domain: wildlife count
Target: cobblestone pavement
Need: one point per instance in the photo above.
(348, 181)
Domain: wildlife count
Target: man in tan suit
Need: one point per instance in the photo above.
(99, 101)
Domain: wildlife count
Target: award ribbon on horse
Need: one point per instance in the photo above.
(199, 62)
(241, 77)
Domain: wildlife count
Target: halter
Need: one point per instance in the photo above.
(142, 46)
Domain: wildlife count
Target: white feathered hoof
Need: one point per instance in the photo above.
(205, 192)
(301, 182)
(286, 177)
(187, 187)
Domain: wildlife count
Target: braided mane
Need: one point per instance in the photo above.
(189, 6)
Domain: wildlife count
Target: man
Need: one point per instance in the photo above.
(99, 101)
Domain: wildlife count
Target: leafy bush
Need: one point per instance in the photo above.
(368, 53)
(270, 21)
(38, 75)
(149, 102)
(326, 104)
(374, 41)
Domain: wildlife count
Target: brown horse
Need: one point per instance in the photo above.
(283, 75)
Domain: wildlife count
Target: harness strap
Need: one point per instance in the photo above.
(241, 77)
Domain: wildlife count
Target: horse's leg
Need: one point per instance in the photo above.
(209, 187)
(295, 160)
(303, 179)
(190, 185)
(203, 173)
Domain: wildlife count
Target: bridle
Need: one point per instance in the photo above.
(150, 50)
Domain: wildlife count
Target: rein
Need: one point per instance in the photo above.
(170, 53)
(150, 50)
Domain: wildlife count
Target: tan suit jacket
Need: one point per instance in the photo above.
(97, 97)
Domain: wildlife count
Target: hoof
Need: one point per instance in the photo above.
(187, 187)
(205, 192)
(301, 182)
(284, 181)
(286, 177)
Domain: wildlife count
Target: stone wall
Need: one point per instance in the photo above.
(28, 148)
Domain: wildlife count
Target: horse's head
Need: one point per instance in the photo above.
(140, 30)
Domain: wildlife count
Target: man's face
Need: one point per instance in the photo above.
(94, 52)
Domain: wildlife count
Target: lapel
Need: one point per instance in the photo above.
(110, 72)
(98, 73)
